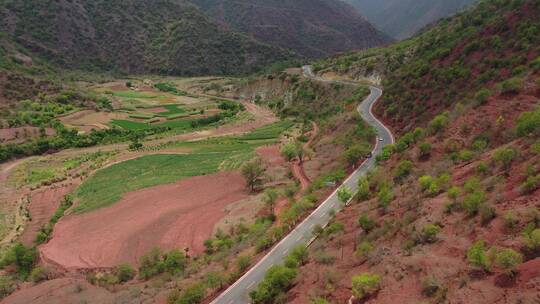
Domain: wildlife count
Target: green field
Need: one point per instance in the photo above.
(133, 94)
(108, 186)
(172, 110)
(130, 125)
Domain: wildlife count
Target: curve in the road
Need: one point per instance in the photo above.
(302, 234)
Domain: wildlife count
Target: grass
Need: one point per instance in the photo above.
(172, 110)
(130, 125)
(132, 95)
(108, 186)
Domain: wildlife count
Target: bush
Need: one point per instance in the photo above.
(505, 157)
(39, 274)
(425, 149)
(531, 184)
(508, 259)
(22, 258)
(532, 240)
(453, 193)
(124, 272)
(366, 223)
(529, 123)
(6, 286)
(429, 233)
(404, 169)
(365, 284)
(438, 123)
(487, 213)
(193, 294)
(151, 264)
(473, 201)
(385, 196)
(430, 286)
(243, 262)
(510, 220)
(175, 261)
(512, 85)
(477, 256)
(364, 192)
(363, 249)
(276, 282)
(482, 96)
(344, 194)
(298, 257)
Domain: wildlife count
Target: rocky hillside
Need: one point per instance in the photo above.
(453, 211)
(168, 37)
(312, 28)
(402, 18)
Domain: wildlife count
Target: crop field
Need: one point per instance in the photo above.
(108, 186)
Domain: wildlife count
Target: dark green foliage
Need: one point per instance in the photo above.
(529, 123)
(192, 294)
(22, 258)
(124, 272)
(276, 282)
(168, 87)
(366, 223)
(404, 169)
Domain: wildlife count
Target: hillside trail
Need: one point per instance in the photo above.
(298, 172)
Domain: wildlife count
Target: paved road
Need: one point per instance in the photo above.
(303, 234)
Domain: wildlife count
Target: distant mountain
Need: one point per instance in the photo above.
(312, 28)
(402, 18)
(132, 36)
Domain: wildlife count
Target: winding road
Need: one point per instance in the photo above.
(303, 233)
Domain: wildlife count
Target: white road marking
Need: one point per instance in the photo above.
(286, 250)
(250, 285)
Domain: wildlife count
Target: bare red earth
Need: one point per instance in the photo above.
(180, 215)
(42, 206)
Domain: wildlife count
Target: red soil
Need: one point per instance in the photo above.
(64, 290)
(271, 155)
(180, 215)
(42, 206)
(156, 110)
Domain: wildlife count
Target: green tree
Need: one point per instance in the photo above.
(175, 261)
(124, 272)
(505, 156)
(366, 223)
(243, 262)
(276, 282)
(289, 151)
(344, 194)
(404, 169)
(270, 197)
(253, 172)
(363, 189)
(193, 294)
(365, 284)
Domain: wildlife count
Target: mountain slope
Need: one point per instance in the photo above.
(402, 18)
(313, 28)
(452, 213)
(135, 36)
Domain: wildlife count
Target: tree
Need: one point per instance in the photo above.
(355, 153)
(404, 169)
(289, 151)
(253, 173)
(270, 196)
(425, 149)
(243, 262)
(363, 189)
(344, 194)
(366, 223)
(175, 261)
(505, 156)
(453, 193)
(365, 284)
(277, 281)
(482, 96)
(124, 272)
(193, 294)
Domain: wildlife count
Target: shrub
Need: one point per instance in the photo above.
(510, 220)
(505, 156)
(253, 173)
(535, 148)
(430, 286)
(243, 262)
(529, 123)
(322, 257)
(512, 85)
(298, 257)
(533, 240)
(39, 274)
(22, 258)
(385, 196)
(366, 223)
(429, 233)
(482, 96)
(344, 194)
(276, 282)
(429, 185)
(193, 294)
(453, 193)
(151, 264)
(365, 284)
(482, 168)
(175, 261)
(319, 301)
(438, 123)
(531, 184)
(477, 256)
(472, 184)
(124, 272)
(363, 189)
(363, 249)
(334, 228)
(425, 149)
(404, 169)
(473, 201)
(487, 213)
(508, 259)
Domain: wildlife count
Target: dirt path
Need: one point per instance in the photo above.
(298, 172)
